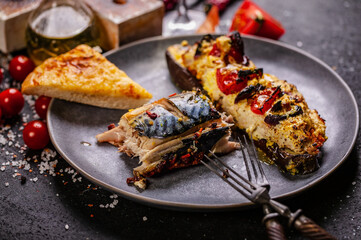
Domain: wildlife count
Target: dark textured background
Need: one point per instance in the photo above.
(329, 30)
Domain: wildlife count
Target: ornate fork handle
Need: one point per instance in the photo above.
(274, 228)
(309, 228)
(259, 193)
(302, 223)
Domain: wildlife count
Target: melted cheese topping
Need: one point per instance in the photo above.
(304, 133)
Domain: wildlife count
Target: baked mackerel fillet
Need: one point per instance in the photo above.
(270, 110)
(170, 133)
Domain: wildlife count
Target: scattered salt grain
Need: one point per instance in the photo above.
(145, 218)
(299, 44)
(353, 183)
(6, 184)
(66, 226)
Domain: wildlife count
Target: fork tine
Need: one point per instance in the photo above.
(245, 160)
(244, 190)
(230, 169)
(260, 168)
(251, 160)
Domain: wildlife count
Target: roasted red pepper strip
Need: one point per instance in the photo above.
(151, 115)
(251, 19)
(264, 100)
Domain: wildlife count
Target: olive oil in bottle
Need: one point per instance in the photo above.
(58, 26)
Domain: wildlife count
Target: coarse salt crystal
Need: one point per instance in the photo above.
(6, 184)
(66, 226)
(145, 218)
(2, 140)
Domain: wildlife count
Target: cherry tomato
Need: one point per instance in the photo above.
(1, 74)
(251, 19)
(264, 100)
(20, 66)
(228, 81)
(41, 106)
(11, 102)
(215, 51)
(35, 135)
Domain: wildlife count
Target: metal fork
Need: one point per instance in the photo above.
(257, 191)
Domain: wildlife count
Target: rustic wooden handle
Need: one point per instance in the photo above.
(274, 229)
(310, 229)
(273, 226)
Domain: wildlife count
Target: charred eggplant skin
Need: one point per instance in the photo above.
(180, 75)
(300, 163)
(304, 163)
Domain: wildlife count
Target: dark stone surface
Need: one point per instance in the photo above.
(328, 30)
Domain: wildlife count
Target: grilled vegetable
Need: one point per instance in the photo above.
(270, 109)
(170, 133)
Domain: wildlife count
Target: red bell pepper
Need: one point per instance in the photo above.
(251, 19)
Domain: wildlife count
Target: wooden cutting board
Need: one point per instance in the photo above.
(119, 23)
(123, 23)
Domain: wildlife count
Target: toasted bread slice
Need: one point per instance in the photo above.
(83, 75)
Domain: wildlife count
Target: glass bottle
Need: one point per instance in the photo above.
(58, 26)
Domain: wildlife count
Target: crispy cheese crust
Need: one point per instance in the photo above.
(84, 75)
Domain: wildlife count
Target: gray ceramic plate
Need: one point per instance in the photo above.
(196, 188)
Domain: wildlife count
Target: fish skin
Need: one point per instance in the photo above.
(195, 109)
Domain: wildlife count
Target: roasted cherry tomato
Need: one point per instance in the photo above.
(11, 102)
(41, 106)
(251, 19)
(35, 135)
(20, 66)
(215, 51)
(264, 100)
(228, 81)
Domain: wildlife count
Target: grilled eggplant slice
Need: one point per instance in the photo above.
(270, 110)
(182, 78)
(170, 133)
